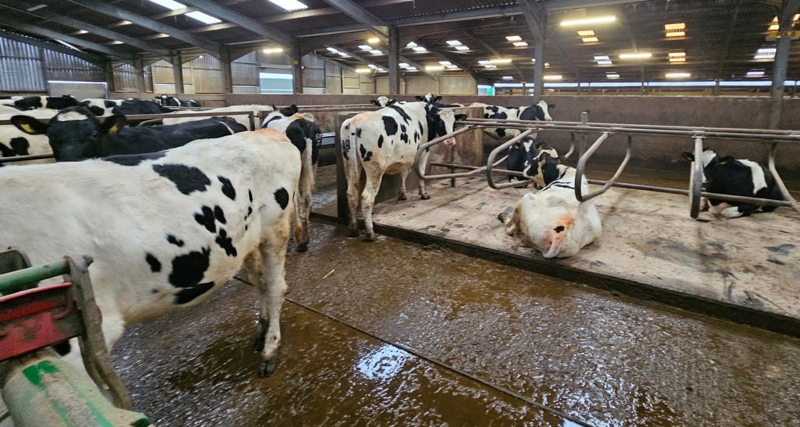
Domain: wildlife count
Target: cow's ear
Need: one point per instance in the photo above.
(687, 156)
(391, 102)
(113, 124)
(293, 109)
(461, 117)
(419, 98)
(375, 103)
(29, 125)
(551, 106)
(437, 98)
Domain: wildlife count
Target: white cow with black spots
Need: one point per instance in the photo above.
(386, 141)
(241, 119)
(539, 111)
(307, 137)
(164, 229)
(552, 220)
(383, 101)
(14, 142)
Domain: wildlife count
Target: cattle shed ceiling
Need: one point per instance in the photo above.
(720, 41)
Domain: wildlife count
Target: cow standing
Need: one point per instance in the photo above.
(307, 137)
(726, 175)
(552, 220)
(164, 229)
(383, 101)
(76, 134)
(386, 141)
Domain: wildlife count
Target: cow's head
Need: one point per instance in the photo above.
(29, 103)
(279, 114)
(61, 102)
(429, 98)
(542, 111)
(710, 161)
(541, 163)
(383, 101)
(97, 111)
(442, 121)
(71, 132)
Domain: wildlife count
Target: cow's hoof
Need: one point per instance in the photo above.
(502, 216)
(353, 233)
(425, 197)
(268, 367)
(402, 197)
(371, 237)
(302, 247)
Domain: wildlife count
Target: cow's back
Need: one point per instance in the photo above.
(163, 230)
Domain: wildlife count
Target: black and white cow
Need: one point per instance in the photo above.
(519, 153)
(14, 142)
(40, 102)
(429, 98)
(134, 106)
(96, 105)
(552, 220)
(383, 101)
(76, 134)
(726, 175)
(539, 111)
(164, 229)
(171, 101)
(386, 141)
(244, 120)
(307, 137)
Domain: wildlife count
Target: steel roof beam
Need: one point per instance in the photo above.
(95, 59)
(123, 14)
(237, 18)
(102, 32)
(33, 29)
(361, 15)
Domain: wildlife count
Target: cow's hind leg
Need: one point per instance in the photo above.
(401, 195)
(304, 204)
(510, 222)
(352, 170)
(273, 288)
(374, 178)
(423, 193)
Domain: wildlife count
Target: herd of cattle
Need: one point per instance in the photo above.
(167, 221)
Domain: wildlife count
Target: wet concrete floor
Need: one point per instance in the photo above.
(601, 358)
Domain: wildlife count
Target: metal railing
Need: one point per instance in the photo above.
(607, 130)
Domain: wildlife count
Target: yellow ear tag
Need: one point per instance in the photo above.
(114, 129)
(27, 128)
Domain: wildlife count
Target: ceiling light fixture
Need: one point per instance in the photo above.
(514, 38)
(553, 77)
(373, 40)
(445, 62)
(454, 43)
(204, 18)
(411, 44)
(365, 47)
(434, 68)
(273, 50)
(675, 30)
(499, 61)
(508, 78)
(755, 73)
(765, 53)
(520, 44)
(588, 36)
(376, 52)
(677, 57)
(462, 47)
(612, 75)
(289, 5)
(677, 75)
(363, 70)
(598, 20)
(638, 55)
(419, 49)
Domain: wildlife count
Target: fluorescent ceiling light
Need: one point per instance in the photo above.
(411, 44)
(202, 17)
(677, 57)
(381, 70)
(553, 77)
(445, 62)
(598, 20)
(775, 25)
(169, 4)
(765, 53)
(330, 49)
(588, 36)
(343, 55)
(81, 32)
(372, 66)
(451, 67)
(434, 68)
(483, 62)
(514, 38)
(363, 70)
(419, 49)
(489, 66)
(365, 47)
(273, 50)
(454, 43)
(520, 44)
(612, 75)
(289, 5)
(373, 40)
(604, 63)
(123, 22)
(462, 47)
(376, 52)
(411, 69)
(403, 64)
(499, 61)
(677, 75)
(675, 30)
(508, 78)
(602, 58)
(755, 73)
(639, 55)
(35, 8)
(114, 42)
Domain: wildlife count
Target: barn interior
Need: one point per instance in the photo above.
(446, 320)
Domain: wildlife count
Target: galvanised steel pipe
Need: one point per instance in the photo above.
(490, 163)
(420, 169)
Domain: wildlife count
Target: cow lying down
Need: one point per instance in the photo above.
(76, 134)
(552, 220)
(165, 229)
(726, 175)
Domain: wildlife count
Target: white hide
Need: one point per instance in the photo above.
(553, 221)
(118, 214)
(37, 144)
(242, 119)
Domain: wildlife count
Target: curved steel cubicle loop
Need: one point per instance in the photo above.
(420, 169)
(582, 166)
(571, 146)
(490, 163)
(785, 192)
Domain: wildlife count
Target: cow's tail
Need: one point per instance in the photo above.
(556, 237)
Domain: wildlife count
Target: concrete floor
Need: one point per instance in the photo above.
(604, 359)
